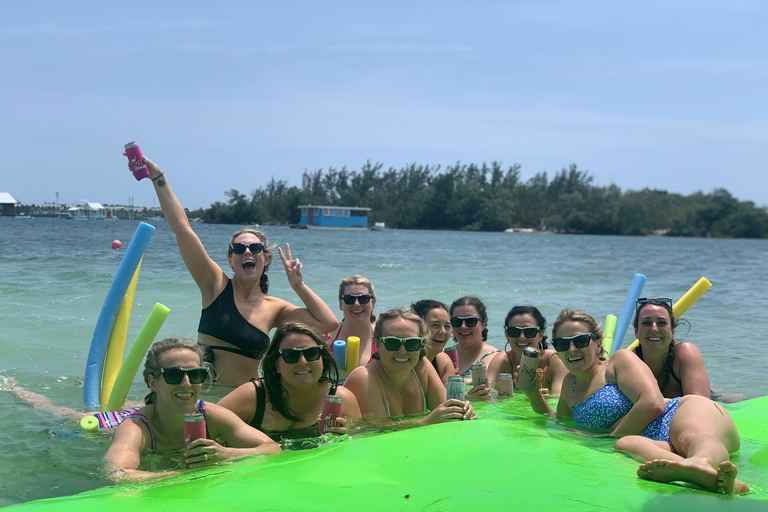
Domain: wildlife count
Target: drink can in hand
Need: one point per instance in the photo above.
(505, 385)
(528, 379)
(194, 428)
(331, 410)
(479, 375)
(455, 388)
(136, 161)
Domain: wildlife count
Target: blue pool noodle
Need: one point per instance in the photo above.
(340, 354)
(94, 366)
(626, 313)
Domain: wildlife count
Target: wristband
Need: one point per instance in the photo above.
(158, 176)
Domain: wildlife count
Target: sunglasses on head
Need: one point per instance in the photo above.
(647, 300)
(393, 343)
(578, 340)
(254, 247)
(291, 355)
(175, 375)
(349, 299)
(514, 332)
(471, 321)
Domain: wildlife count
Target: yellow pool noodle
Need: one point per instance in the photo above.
(610, 327)
(353, 353)
(132, 361)
(685, 302)
(116, 345)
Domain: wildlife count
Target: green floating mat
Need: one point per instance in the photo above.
(507, 460)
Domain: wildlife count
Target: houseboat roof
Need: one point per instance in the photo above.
(6, 198)
(361, 208)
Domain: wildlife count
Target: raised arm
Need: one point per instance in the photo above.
(693, 370)
(316, 313)
(210, 278)
(637, 382)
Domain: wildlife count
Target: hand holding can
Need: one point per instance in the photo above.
(136, 161)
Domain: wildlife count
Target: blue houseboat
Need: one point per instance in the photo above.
(334, 217)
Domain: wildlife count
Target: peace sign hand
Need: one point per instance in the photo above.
(292, 267)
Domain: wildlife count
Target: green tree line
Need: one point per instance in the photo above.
(491, 198)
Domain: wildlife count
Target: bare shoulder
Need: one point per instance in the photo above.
(685, 350)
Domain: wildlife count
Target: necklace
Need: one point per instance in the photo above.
(257, 299)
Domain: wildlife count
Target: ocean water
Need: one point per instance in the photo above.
(54, 275)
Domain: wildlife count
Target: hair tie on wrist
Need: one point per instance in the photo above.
(158, 176)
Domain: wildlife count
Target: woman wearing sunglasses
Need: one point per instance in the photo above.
(357, 300)
(524, 327)
(435, 315)
(678, 367)
(298, 374)
(174, 371)
(686, 439)
(399, 382)
(237, 313)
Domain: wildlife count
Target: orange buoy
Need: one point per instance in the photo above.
(116, 244)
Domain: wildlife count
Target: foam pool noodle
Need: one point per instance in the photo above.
(353, 353)
(608, 330)
(340, 354)
(627, 311)
(132, 361)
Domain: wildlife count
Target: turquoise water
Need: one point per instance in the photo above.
(54, 275)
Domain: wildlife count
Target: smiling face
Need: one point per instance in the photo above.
(180, 397)
(248, 265)
(357, 311)
(468, 335)
(578, 360)
(654, 329)
(519, 343)
(399, 361)
(303, 373)
(439, 326)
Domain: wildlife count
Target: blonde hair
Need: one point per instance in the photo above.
(405, 314)
(573, 315)
(356, 279)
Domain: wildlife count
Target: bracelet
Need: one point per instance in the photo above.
(158, 176)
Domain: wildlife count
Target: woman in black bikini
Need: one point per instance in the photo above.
(237, 313)
(175, 372)
(298, 374)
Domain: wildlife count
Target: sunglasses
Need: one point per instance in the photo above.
(393, 343)
(175, 375)
(471, 321)
(578, 340)
(291, 355)
(254, 247)
(642, 301)
(514, 332)
(364, 298)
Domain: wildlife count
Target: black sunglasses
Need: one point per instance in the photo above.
(578, 340)
(514, 332)
(349, 299)
(471, 321)
(291, 355)
(254, 247)
(175, 375)
(642, 301)
(393, 343)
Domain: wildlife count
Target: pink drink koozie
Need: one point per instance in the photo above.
(136, 161)
(454, 355)
(331, 411)
(194, 428)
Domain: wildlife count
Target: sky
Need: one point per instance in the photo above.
(226, 95)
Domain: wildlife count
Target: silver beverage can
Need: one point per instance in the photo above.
(505, 385)
(455, 388)
(479, 375)
(528, 379)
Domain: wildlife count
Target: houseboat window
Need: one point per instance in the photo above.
(315, 211)
(304, 212)
(329, 212)
(342, 212)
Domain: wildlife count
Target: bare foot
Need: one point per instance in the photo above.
(693, 471)
(726, 479)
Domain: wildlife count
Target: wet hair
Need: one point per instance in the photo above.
(156, 351)
(478, 305)
(356, 279)
(264, 280)
(405, 314)
(278, 396)
(670, 360)
(572, 315)
(536, 314)
(423, 307)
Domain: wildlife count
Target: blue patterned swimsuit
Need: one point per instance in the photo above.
(608, 404)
